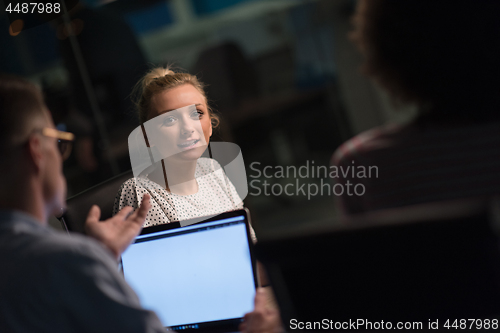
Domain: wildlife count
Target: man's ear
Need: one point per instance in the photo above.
(35, 152)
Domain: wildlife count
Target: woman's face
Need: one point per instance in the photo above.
(180, 134)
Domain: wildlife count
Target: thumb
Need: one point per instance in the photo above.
(260, 300)
(94, 214)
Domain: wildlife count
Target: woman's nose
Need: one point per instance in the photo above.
(187, 127)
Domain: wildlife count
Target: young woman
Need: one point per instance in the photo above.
(177, 123)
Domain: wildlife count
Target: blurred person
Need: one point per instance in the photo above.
(70, 118)
(113, 61)
(50, 281)
(183, 185)
(443, 57)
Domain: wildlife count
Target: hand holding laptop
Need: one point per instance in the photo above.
(118, 232)
(264, 318)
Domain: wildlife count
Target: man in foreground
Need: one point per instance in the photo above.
(52, 282)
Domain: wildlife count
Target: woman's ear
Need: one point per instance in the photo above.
(210, 129)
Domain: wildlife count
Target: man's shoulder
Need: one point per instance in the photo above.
(33, 250)
(76, 243)
(66, 278)
(54, 246)
(379, 138)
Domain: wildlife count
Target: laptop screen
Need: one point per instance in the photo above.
(194, 277)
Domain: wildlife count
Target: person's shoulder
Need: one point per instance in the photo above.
(58, 250)
(372, 140)
(73, 244)
(207, 162)
(127, 190)
(207, 165)
(137, 182)
(210, 172)
(131, 182)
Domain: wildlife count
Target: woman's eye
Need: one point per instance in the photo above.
(197, 114)
(169, 121)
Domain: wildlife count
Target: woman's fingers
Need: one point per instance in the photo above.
(260, 299)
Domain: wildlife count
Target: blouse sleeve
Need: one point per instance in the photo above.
(126, 196)
(131, 193)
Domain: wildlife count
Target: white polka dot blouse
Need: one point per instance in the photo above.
(216, 194)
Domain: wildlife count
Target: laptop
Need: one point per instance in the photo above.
(197, 277)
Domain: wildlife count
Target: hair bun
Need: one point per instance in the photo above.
(154, 74)
(164, 78)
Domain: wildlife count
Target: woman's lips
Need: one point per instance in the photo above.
(188, 144)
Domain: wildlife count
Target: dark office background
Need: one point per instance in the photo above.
(282, 74)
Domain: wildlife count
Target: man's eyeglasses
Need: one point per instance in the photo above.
(64, 140)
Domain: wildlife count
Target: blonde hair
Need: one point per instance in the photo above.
(161, 79)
